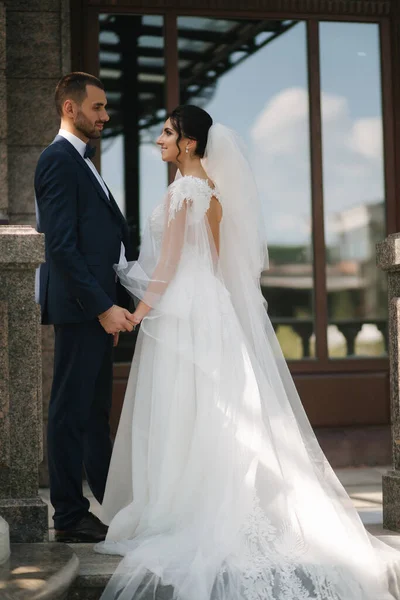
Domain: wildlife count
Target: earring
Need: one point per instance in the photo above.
(187, 149)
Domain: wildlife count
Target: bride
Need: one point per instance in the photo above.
(218, 489)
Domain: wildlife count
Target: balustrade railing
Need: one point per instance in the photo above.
(349, 328)
(304, 329)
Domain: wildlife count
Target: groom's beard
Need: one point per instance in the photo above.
(83, 125)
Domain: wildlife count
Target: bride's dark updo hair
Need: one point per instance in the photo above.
(191, 122)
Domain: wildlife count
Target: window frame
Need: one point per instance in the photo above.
(86, 57)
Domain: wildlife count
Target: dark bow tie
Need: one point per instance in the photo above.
(90, 151)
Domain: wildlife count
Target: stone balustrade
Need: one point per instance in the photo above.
(388, 259)
(21, 252)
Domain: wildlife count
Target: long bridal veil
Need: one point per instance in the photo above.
(218, 489)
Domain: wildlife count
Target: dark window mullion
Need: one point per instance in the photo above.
(91, 54)
(388, 127)
(317, 196)
(172, 70)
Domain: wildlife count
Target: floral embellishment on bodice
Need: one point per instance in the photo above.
(194, 190)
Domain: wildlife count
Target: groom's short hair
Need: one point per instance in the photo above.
(73, 87)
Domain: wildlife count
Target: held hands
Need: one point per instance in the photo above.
(117, 319)
(140, 313)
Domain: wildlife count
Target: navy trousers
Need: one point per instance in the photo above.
(78, 426)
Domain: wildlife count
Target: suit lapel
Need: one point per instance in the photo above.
(125, 227)
(81, 161)
(115, 205)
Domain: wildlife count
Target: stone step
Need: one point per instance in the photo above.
(96, 569)
(38, 572)
(94, 573)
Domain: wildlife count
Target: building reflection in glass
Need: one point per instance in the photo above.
(354, 196)
(132, 67)
(252, 76)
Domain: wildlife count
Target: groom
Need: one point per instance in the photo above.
(85, 235)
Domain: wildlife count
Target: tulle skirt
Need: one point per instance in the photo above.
(217, 490)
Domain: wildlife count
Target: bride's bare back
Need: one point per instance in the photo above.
(214, 216)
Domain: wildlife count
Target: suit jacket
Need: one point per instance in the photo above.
(83, 233)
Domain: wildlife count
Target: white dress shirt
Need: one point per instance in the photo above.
(80, 147)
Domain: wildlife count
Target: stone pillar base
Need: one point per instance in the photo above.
(391, 505)
(27, 518)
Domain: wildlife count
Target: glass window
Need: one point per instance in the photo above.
(251, 75)
(354, 193)
(132, 68)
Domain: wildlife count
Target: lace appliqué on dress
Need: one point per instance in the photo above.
(157, 222)
(196, 191)
(276, 566)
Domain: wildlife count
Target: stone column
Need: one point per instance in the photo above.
(3, 118)
(388, 259)
(34, 65)
(21, 251)
(37, 54)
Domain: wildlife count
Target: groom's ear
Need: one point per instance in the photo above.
(68, 108)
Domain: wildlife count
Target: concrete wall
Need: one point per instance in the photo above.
(3, 117)
(37, 54)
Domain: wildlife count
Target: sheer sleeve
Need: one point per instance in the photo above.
(176, 232)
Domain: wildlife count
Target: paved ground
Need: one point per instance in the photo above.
(364, 486)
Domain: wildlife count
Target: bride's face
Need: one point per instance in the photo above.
(168, 144)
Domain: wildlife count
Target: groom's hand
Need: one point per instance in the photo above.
(116, 319)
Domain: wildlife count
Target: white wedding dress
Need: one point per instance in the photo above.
(217, 486)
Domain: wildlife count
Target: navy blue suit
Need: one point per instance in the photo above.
(83, 234)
